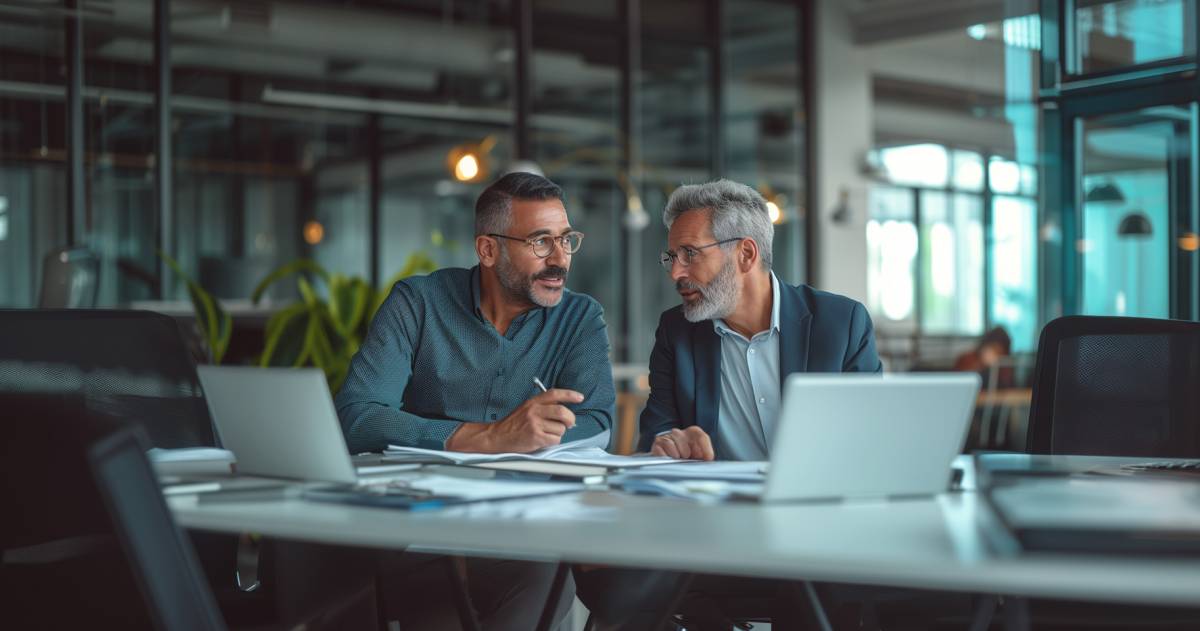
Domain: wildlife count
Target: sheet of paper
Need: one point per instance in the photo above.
(724, 470)
(591, 446)
(478, 489)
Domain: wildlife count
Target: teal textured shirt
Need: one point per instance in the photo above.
(431, 361)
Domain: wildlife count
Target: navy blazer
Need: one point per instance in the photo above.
(818, 332)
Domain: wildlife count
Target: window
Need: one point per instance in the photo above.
(891, 254)
(1114, 35)
(929, 267)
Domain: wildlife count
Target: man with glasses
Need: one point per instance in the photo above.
(716, 374)
(720, 358)
(455, 360)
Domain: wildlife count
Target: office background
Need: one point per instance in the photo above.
(954, 165)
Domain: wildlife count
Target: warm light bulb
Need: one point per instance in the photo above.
(774, 213)
(1189, 241)
(313, 232)
(467, 168)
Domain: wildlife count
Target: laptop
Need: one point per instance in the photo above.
(858, 436)
(281, 423)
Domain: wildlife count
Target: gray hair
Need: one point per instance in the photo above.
(738, 211)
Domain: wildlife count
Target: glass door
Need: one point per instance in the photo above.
(1135, 196)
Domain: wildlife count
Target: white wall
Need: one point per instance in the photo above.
(844, 135)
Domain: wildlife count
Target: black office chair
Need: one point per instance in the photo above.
(135, 367)
(1117, 387)
(164, 563)
(70, 279)
(131, 365)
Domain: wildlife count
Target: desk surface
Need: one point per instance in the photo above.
(946, 542)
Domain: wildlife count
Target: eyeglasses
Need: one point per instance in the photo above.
(544, 246)
(687, 253)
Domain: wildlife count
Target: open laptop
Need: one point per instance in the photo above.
(854, 436)
(281, 423)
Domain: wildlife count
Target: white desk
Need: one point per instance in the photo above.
(936, 543)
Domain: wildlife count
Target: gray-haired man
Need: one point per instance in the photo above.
(719, 361)
(721, 357)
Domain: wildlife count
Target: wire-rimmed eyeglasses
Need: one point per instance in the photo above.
(543, 246)
(688, 253)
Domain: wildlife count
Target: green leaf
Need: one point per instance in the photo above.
(322, 352)
(213, 320)
(285, 339)
(348, 300)
(307, 293)
(283, 271)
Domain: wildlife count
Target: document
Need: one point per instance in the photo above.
(720, 470)
(429, 491)
(589, 451)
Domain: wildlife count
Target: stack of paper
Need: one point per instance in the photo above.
(191, 461)
(589, 451)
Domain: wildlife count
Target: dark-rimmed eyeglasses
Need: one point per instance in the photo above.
(543, 246)
(687, 253)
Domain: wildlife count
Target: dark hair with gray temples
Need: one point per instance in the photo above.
(494, 206)
(738, 211)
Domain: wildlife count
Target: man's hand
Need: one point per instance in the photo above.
(691, 443)
(539, 422)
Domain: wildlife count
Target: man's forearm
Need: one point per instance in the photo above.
(375, 426)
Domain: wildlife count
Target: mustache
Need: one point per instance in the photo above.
(681, 285)
(552, 272)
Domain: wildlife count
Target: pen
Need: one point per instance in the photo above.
(538, 382)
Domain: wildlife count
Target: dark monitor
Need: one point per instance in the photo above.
(130, 365)
(162, 559)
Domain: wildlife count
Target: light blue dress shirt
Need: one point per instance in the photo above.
(750, 388)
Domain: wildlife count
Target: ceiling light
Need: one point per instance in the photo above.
(467, 168)
(1106, 192)
(1135, 225)
(469, 162)
(314, 232)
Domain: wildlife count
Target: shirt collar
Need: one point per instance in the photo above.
(722, 328)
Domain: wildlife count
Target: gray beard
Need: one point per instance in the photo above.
(718, 298)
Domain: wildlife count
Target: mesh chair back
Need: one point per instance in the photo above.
(1117, 387)
(132, 365)
(70, 279)
(163, 560)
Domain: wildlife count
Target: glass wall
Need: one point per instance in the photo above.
(763, 117)
(32, 150)
(333, 131)
(1116, 35)
(1121, 213)
(1128, 168)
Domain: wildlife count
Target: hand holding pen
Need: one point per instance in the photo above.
(539, 422)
